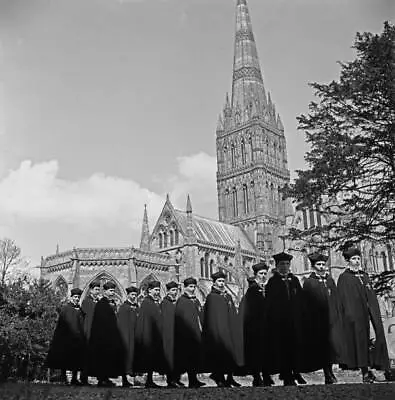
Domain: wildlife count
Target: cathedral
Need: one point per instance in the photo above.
(251, 171)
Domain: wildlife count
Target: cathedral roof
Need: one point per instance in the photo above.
(218, 233)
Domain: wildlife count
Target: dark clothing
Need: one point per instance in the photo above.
(168, 308)
(252, 313)
(127, 319)
(359, 306)
(68, 346)
(149, 355)
(284, 322)
(221, 335)
(105, 350)
(188, 335)
(88, 308)
(324, 323)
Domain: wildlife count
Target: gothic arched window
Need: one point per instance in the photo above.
(233, 155)
(211, 267)
(234, 202)
(246, 199)
(176, 237)
(165, 237)
(202, 267)
(160, 236)
(172, 238)
(206, 257)
(243, 152)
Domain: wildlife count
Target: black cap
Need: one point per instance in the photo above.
(350, 252)
(153, 284)
(94, 284)
(76, 291)
(109, 285)
(316, 257)
(258, 267)
(282, 257)
(132, 289)
(218, 275)
(190, 281)
(171, 285)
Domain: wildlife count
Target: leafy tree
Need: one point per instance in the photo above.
(351, 131)
(28, 314)
(10, 256)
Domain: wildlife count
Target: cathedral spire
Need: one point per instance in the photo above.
(247, 86)
(145, 235)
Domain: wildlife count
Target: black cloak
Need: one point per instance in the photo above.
(252, 314)
(324, 323)
(149, 355)
(285, 325)
(106, 350)
(68, 346)
(127, 319)
(221, 334)
(188, 335)
(358, 306)
(168, 308)
(88, 308)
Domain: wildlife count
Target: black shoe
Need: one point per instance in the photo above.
(172, 385)
(152, 385)
(85, 382)
(231, 382)
(267, 381)
(196, 384)
(106, 383)
(76, 382)
(299, 379)
(126, 384)
(219, 381)
(329, 380)
(289, 382)
(257, 382)
(179, 383)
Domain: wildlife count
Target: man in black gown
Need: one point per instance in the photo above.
(105, 349)
(252, 311)
(325, 336)
(88, 308)
(168, 308)
(68, 346)
(127, 318)
(188, 334)
(364, 339)
(284, 321)
(220, 333)
(149, 354)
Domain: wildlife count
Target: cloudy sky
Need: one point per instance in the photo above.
(109, 104)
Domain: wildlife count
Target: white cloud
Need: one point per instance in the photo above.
(35, 192)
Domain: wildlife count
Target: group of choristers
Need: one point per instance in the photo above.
(280, 327)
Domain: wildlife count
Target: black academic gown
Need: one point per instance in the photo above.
(221, 334)
(106, 349)
(127, 319)
(359, 305)
(68, 346)
(188, 335)
(252, 313)
(168, 308)
(324, 322)
(285, 325)
(149, 354)
(88, 308)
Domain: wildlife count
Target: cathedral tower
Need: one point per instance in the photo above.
(251, 150)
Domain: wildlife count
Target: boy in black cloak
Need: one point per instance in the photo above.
(88, 308)
(149, 354)
(127, 319)
(168, 308)
(364, 339)
(220, 333)
(68, 345)
(325, 336)
(252, 311)
(188, 334)
(106, 350)
(284, 321)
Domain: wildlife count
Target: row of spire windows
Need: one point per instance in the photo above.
(207, 268)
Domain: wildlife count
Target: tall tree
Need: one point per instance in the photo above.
(351, 131)
(10, 256)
